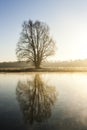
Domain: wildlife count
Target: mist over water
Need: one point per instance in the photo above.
(38, 101)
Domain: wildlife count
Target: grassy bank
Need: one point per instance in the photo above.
(49, 69)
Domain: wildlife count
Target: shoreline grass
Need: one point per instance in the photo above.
(47, 69)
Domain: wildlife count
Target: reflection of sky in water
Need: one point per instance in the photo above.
(69, 111)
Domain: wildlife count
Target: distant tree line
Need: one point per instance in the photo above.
(76, 63)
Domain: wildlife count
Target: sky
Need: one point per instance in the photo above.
(67, 20)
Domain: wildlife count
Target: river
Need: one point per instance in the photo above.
(43, 101)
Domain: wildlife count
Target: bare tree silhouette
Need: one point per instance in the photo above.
(35, 43)
(36, 99)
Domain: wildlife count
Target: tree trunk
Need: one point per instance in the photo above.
(37, 66)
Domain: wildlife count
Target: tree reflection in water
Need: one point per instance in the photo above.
(36, 99)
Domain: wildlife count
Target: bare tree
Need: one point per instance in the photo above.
(35, 43)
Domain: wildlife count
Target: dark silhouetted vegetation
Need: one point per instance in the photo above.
(35, 43)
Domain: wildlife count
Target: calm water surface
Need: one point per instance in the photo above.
(43, 101)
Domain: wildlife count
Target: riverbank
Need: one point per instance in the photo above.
(49, 69)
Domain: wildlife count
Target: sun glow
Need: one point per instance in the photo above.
(71, 39)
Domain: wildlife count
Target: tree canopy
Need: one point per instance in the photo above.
(35, 43)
